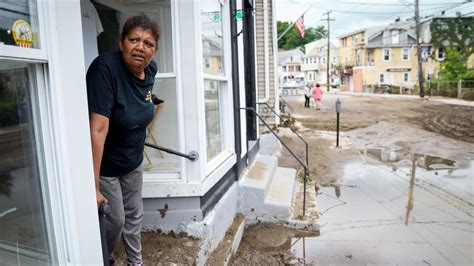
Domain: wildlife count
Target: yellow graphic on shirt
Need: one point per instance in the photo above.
(148, 97)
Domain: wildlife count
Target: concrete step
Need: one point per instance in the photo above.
(230, 244)
(310, 221)
(279, 199)
(255, 184)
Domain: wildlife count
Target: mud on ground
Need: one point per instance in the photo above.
(161, 249)
(410, 125)
(317, 127)
(270, 244)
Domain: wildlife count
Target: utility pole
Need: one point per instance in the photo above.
(418, 49)
(328, 19)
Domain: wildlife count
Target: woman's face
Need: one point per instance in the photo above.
(138, 49)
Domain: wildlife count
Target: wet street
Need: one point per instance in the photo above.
(367, 220)
(394, 193)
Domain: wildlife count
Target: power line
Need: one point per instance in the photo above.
(389, 4)
(383, 13)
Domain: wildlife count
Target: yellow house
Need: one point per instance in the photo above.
(387, 55)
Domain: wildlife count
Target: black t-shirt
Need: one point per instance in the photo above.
(113, 91)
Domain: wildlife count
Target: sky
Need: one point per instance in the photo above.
(352, 15)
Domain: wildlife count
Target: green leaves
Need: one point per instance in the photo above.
(292, 38)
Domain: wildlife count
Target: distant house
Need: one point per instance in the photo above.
(314, 62)
(387, 56)
(289, 68)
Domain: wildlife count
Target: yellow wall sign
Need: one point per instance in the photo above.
(22, 33)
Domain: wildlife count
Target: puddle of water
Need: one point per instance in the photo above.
(394, 157)
(411, 216)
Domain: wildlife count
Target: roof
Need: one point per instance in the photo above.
(284, 56)
(405, 26)
(288, 53)
(318, 43)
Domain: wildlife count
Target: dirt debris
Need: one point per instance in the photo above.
(271, 244)
(164, 249)
(406, 125)
(268, 244)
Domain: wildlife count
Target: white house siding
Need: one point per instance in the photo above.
(260, 53)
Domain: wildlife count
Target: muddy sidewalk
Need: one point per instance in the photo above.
(400, 190)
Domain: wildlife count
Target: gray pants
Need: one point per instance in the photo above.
(124, 194)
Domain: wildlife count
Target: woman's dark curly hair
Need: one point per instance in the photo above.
(141, 21)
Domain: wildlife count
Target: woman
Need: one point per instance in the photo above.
(119, 86)
(317, 93)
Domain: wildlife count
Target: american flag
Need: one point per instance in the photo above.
(300, 26)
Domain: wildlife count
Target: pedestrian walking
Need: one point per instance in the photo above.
(317, 94)
(307, 95)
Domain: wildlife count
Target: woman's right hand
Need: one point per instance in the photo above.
(100, 198)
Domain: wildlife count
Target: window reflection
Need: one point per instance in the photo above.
(23, 234)
(163, 130)
(212, 39)
(213, 121)
(19, 23)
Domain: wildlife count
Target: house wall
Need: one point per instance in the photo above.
(358, 78)
(372, 73)
(470, 61)
(266, 55)
(348, 52)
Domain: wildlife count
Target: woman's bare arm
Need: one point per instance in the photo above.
(99, 126)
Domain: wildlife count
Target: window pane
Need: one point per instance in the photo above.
(212, 39)
(164, 131)
(23, 234)
(213, 119)
(113, 15)
(19, 23)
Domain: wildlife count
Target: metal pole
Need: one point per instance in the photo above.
(418, 50)
(329, 48)
(337, 139)
(193, 156)
(104, 210)
(338, 110)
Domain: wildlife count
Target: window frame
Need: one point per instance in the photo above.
(395, 36)
(225, 98)
(52, 130)
(440, 51)
(389, 54)
(407, 54)
(406, 77)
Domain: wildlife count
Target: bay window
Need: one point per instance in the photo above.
(164, 129)
(215, 77)
(25, 212)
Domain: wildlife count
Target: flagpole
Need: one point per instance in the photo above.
(281, 35)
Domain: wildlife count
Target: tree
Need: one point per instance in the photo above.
(292, 38)
(454, 66)
(454, 32)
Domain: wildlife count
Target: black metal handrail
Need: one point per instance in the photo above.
(292, 130)
(193, 156)
(306, 170)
